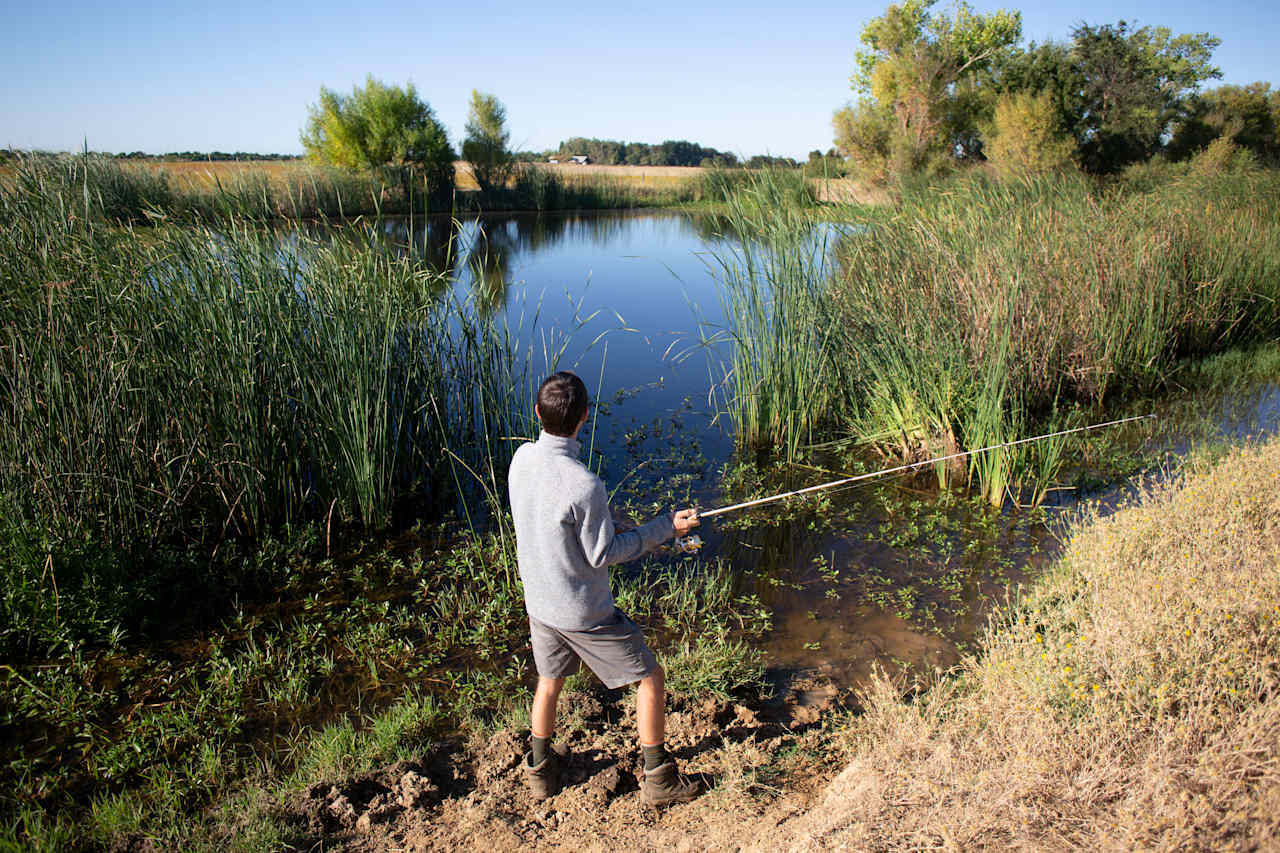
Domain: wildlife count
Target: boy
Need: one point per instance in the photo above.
(565, 542)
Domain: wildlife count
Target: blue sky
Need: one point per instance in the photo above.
(745, 77)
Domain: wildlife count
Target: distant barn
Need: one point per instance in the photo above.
(580, 159)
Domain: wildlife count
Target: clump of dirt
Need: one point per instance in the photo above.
(361, 803)
(474, 795)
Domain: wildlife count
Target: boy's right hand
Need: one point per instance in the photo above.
(684, 520)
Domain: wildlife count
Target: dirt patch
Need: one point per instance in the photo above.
(759, 759)
(361, 803)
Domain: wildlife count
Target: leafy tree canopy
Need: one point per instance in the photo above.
(485, 146)
(1133, 86)
(378, 128)
(1248, 116)
(672, 152)
(929, 83)
(919, 67)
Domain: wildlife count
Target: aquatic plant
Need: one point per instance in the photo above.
(183, 386)
(977, 309)
(780, 383)
(983, 303)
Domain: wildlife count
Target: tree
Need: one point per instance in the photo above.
(1134, 84)
(485, 147)
(381, 129)
(1248, 116)
(1026, 135)
(864, 132)
(1047, 69)
(919, 71)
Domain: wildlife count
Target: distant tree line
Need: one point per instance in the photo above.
(936, 89)
(194, 156)
(672, 152)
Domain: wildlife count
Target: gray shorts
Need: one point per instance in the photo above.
(615, 651)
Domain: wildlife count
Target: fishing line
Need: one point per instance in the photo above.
(902, 468)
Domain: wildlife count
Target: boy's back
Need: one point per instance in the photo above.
(565, 536)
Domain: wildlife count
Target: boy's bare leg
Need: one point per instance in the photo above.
(542, 719)
(651, 708)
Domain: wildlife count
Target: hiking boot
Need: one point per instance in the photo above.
(543, 777)
(664, 785)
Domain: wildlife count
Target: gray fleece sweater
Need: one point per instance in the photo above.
(565, 539)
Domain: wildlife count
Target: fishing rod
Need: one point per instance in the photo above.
(885, 472)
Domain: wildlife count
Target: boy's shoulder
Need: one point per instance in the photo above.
(570, 473)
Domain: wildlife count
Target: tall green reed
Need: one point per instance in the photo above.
(198, 382)
(981, 305)
(781, 383)
(100, 187)
(978, 309)
(535, 187)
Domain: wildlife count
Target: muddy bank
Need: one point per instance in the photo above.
(756, 757)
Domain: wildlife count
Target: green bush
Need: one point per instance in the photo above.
(1223, 157)
(1026, 136)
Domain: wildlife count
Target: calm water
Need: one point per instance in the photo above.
(888, 574)
(627, 297)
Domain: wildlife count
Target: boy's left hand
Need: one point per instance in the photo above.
(684, 520)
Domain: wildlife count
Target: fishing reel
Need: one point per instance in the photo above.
(688, 545)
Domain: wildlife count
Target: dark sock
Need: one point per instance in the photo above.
(540, 747)
(655, 756)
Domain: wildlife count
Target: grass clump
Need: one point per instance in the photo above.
(92, 186)
(978, 310)
(1130, 699)
(169, 391)
(982, 307)
(536, 187)
(781, 383)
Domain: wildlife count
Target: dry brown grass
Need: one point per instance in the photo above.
(642, 176)
(191, 174)
(1130, 702)
(631, 173)
(849, 191)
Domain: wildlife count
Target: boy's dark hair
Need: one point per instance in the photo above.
(562, 401)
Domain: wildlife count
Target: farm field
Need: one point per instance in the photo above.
(188, 174)
(207, 174)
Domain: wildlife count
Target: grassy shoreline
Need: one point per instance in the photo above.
(301, 191)
(1129, 699)
(356, 661)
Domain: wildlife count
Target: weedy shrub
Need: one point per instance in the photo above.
(1130, 699)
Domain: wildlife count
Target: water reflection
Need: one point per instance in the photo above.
(482, 251)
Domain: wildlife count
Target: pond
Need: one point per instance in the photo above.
(892, 574)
